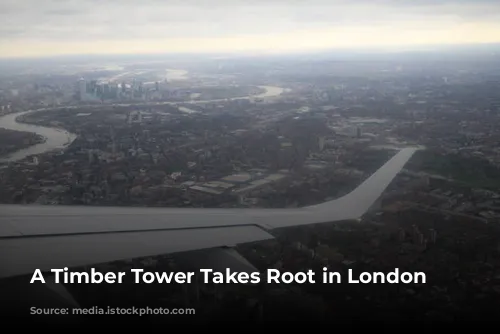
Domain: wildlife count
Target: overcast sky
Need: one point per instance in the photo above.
(46, 27)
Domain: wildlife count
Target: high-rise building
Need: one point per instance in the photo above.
(106, 90)
(93, 87)
(99, 91)
(82, 89)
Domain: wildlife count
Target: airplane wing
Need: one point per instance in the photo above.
(46, 237)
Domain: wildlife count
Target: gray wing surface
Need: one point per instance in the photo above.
(46, 237)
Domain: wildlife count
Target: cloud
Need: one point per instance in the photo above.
(63, 11)
(116, 19)
(70, 21)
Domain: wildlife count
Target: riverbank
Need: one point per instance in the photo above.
(12, 141)
(55, 139)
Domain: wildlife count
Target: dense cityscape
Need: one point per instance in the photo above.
(278, 133)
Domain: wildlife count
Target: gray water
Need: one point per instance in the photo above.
(54, 138)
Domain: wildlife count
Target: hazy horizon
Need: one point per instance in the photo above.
(44, 28)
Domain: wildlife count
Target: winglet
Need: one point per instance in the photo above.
(349, 207)
(359, 201)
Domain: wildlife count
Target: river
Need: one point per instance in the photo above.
(58, 139)
(54, 138)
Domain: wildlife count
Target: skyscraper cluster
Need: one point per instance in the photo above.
(94, 90)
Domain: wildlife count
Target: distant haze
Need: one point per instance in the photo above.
(59, 27)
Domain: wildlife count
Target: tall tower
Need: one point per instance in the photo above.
(358, 132)
(82, 89)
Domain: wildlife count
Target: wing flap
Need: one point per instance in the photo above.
(33, 220)
(19, 256)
